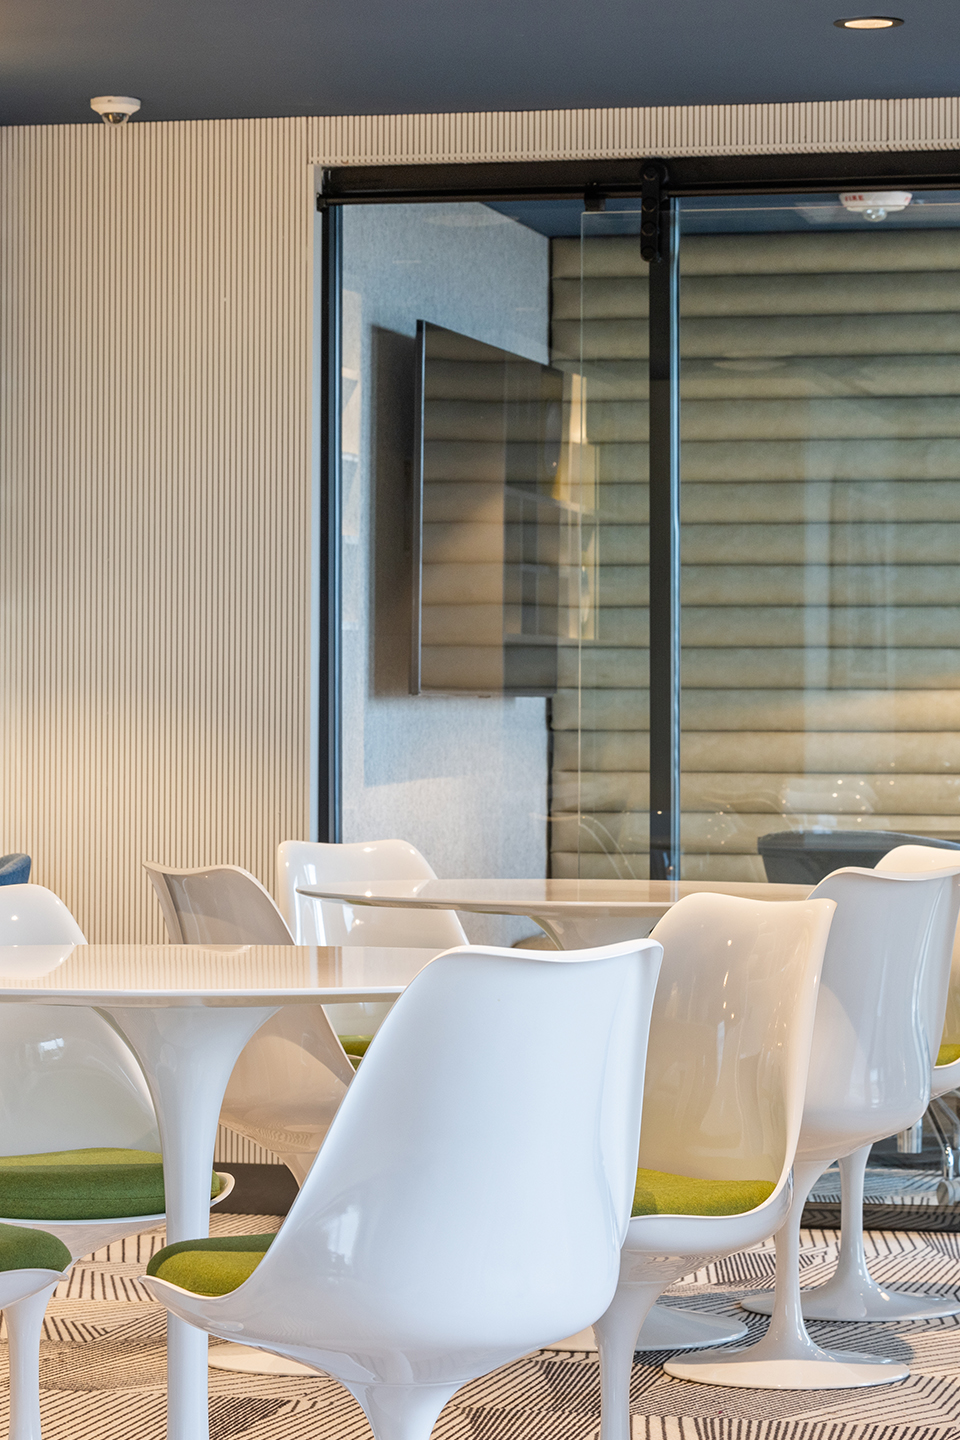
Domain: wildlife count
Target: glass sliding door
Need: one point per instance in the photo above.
(820, 414)
(600, 716)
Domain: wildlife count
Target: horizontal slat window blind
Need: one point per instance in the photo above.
(821, 543)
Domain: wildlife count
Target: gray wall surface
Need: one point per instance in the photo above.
(464, 779)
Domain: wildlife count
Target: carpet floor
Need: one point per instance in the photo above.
(103, 1366)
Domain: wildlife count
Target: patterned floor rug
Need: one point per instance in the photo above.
(102, 1366)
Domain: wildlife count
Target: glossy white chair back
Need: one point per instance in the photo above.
(730, 1037)
(328, 922)
(882, 999)
(33, 915)
(217, 905)
(883, 976)
(925, 859)
(472, 1194)
(292, 1075)
(723, 1100)
(67, 1080)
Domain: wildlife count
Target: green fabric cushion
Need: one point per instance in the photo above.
(96, 1184)
(947, 1054)
(210, 1267)
(356, 1047)
(23, 1249)
(355, 1044)
(658, 1193)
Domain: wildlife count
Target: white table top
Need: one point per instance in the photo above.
(572, 898)
(107, 975)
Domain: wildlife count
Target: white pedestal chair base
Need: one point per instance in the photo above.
(787, 1358)
(851, 1293)
(248, 1360)
(668, 1328)
(819, 1370)
(833, 1302)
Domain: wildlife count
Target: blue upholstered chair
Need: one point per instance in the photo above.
(14, 869)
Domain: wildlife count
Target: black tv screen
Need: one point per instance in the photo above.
(498, 489)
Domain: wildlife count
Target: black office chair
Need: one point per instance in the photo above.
(805, 857)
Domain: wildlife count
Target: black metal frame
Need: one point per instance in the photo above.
(330, 806)
(590, 181)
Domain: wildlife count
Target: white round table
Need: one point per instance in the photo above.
(573, 913)
(187, 1011)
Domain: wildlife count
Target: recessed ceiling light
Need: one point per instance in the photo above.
(869, 22)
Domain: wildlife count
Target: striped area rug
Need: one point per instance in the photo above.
(103, 1366)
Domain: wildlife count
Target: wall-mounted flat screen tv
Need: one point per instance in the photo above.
(498, 584)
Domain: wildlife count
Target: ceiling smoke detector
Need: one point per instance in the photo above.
(115, 109)
(876, 204)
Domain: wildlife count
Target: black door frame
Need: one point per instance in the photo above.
(590, 180)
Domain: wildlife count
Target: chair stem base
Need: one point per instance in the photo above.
(751, 1369)
(787, 1358)
(851, 1293)
(860, 1305)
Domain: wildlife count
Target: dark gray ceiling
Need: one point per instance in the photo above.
(194, 59)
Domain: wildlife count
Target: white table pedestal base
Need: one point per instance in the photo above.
(187, 1053)
(248, 1360)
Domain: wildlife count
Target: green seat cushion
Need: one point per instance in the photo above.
(356, 1047)
(659, 1193)
(210, 1267)
(947, 1054)
(23, 1249)
(97, 1184)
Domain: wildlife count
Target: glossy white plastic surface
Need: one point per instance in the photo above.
(883, 979)
(24, 1296)
(723, 1095)
(324, 922)
(471, 1196)
(292, 1074)
(851, 1293)
(67, 1081)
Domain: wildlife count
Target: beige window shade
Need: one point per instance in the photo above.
(821, 539)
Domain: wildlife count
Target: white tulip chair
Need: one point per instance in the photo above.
(723, 1096)
(470, 1199)
(851, 1293)
(330, 922)
(882, 995)
(75, 1116)
(293, 1073)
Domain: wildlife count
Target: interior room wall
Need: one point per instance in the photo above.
(464, 778)
(155, 473)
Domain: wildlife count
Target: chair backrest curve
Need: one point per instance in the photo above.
(884, 978)
(480, 1169)
(217, 905)
(328, 922)
(34, 915)
(908, 859)
(730, 1036)
(67, 1080)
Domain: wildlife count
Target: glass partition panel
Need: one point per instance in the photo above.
(599, 337)
(820, 378)
(464, 590)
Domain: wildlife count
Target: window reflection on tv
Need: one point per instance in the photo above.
(499, 485)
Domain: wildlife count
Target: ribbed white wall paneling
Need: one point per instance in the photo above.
(813, 127)
(154, 504)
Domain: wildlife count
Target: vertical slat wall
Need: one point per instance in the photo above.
(821, 545)
(154, 504)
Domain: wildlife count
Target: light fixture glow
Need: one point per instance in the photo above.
(869, 22)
